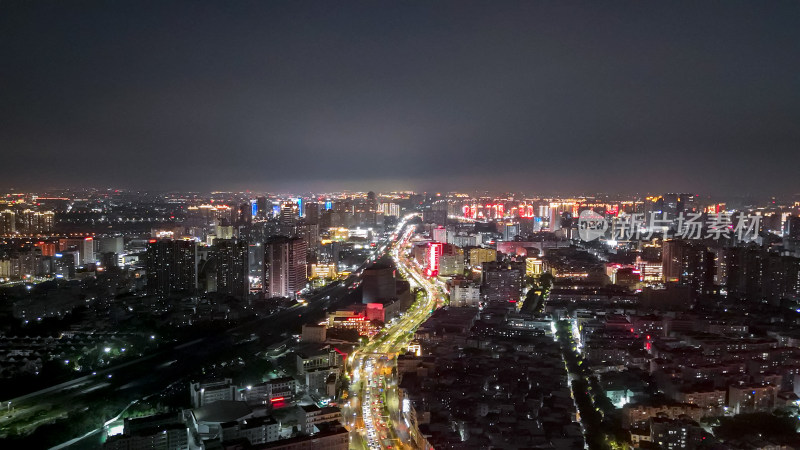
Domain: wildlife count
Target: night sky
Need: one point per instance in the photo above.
(536, 96)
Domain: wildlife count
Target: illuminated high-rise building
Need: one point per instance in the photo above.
(285, 266)
(209, 214)
(479, 255)
(436, 213)
(310, 234)
(244, 215)
(254, 208)
(502, 282)
(372, 202)
(84, 246)
(509, 230)
(171, 267)
(390, 209)
(289, 213)
(36, 222)
(688, 263)
(263, 207)
(451, 264)
(433, 255)
(224, 232)
(686, 203)
(48, 248)
(63, 266)
(543, 211)
(791, 227)
(758, 275)
(533, 266)
(8, 222)
(232, 267)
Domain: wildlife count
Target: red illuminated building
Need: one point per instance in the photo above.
(434, 254)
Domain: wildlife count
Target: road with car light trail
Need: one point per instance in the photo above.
(373, 412)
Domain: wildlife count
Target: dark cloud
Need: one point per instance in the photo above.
(617, 96)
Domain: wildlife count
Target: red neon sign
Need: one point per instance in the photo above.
(277, 399)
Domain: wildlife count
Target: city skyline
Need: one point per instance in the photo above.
(524, 96)
(353, 225)
(368, 320)
(775, 199)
